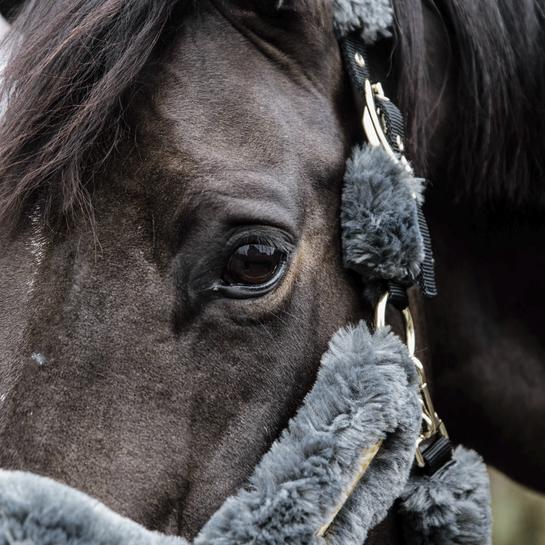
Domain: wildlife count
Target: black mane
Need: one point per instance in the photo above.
(498, 51)
(75, 65)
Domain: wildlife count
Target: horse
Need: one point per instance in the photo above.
(147, 147)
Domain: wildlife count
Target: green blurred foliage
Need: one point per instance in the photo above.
(518, 513)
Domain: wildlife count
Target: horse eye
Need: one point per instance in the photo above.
(252, 264)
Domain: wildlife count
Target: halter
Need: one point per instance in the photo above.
(383, 125)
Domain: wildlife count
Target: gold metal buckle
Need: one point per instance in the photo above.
(431, 423)
(375, 127)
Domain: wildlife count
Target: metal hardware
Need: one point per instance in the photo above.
(380, 312)
(431, 423)
(374, 128)
(379, 91)
(369, 128)
(358, 57)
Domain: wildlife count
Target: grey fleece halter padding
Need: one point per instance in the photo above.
(380, 233)
(451, 507)
(372, 19)
(366, 391)
(39, 511)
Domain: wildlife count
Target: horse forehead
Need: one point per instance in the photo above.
(221, 99)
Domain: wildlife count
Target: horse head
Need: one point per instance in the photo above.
(152, 352)
(171, 249)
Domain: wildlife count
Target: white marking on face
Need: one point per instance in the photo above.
(36, 244)
(2, 397)
(38, 358)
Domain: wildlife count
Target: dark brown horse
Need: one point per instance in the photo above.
(149, 144)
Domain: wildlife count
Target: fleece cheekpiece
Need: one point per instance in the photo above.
(380, 232)
(366, 393)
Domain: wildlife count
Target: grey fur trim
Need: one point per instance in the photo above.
(366, 391)
(380, 233)
(372, 18)
(450, 508)
(39, 511)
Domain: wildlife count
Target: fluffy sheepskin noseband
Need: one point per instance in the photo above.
(348, 453)
(366, 392)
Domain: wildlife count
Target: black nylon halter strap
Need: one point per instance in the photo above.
(350, 48)
(434, 450)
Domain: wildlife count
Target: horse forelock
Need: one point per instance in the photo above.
(58, 129)
(497, 67)
(73, 70)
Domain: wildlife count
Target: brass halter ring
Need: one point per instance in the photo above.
(431, 423)
(374, 125)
